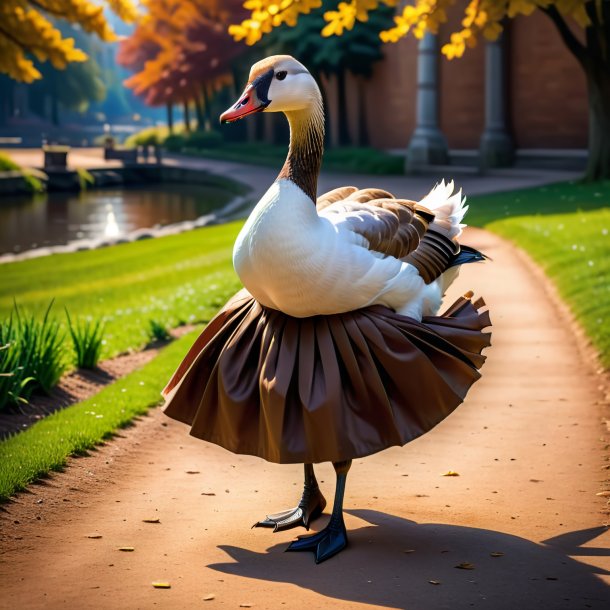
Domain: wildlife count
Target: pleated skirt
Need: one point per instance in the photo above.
(325, 388)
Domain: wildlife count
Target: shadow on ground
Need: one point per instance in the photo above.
(377, 570)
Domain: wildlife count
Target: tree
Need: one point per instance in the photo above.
(76, 86)
(27, 31)
(179, 47)
(584, 26)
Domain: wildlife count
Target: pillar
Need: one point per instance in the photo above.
(496, 147)
(428, 145)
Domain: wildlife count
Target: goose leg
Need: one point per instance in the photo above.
(309, 508)
(333, 538)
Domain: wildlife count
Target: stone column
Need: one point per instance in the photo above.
(496, 146)
(427, 145)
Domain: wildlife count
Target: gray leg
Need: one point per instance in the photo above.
(333, 538)
(309, 508)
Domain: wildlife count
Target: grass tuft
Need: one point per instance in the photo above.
(32, 356)
(45, 446)
(87, 340)
(157, 331)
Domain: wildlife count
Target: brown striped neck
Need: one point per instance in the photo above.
(302, 164)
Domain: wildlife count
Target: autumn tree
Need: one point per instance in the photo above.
(584, 26)
(178, 50)
(28, 32)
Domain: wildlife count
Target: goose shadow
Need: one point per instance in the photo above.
(398, 563)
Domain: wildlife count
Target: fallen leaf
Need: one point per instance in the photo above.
(451, 473)
(536, 481)
(246, 605)
(161, 585)
(151, 521)
(209, 597)
(203, 493)
(496, 554)
(94, 536)
(434, 582)
(603, 494)
(127, 549)
(464, 566)
(192, 472)
(409, 551)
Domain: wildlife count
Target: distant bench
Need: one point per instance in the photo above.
(126, 155)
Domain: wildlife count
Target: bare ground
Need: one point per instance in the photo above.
(529, 445)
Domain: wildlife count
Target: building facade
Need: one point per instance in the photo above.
(527, 85)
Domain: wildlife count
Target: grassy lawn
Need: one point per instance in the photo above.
(45, 446)
(565, 228)
(177, 279)
(574, 251)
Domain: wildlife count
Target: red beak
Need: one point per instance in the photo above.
(247, 104)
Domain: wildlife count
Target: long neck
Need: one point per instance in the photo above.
(304, 158)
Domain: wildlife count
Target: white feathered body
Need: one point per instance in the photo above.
(305, 263)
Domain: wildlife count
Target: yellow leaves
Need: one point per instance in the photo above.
(342, 19)
(268, 14)
(481, 18)
(26, 30)
(451, 473)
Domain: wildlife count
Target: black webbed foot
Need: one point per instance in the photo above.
(326, 543)
(309, 508)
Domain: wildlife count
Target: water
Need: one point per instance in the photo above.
(59, 218)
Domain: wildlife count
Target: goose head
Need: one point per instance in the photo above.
(276, 84)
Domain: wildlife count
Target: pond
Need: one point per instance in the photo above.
(55, 219)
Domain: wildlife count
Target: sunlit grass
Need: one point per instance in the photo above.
(550, 199)
(574, 251)
(177, 279)
(47, 445)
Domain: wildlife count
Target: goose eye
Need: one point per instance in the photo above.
(281, 75)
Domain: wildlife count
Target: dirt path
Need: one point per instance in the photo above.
(527, 445)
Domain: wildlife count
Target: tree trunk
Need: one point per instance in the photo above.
(594, 57)
(170, 117)
(342, 118)
(206, 107)
(199, 113)
(187, 118)
(598, 83)
(363, 128)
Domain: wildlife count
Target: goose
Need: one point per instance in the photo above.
(334, 349)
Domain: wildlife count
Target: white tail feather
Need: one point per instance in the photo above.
(448, 208)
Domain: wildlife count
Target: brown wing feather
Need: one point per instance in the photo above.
(393, 227)
(338, 194)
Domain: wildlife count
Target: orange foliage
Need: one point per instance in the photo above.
(177, 46)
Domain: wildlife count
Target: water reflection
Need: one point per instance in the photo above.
(59, 218)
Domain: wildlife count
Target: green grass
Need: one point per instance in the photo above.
(46, 446)
(574, 251)
(565, 228)
(360, 160)
(562, 197)
(176, 279)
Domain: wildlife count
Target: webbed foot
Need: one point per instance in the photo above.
(309, 508)
(326, 543)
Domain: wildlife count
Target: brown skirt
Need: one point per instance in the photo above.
(325, 388)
